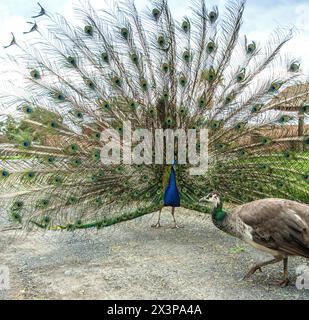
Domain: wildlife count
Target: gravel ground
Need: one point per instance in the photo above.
(134, 261)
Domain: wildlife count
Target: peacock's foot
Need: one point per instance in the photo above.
(176, 226)
(157, 225)
(281, 283)
(252, 271)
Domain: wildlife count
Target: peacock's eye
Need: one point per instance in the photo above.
(54, 124)
(151, 112)
(168, 121)
(134, 58)
(185, 26)
(156, 13)
(212, 16)
(26, 143)
(202, 102)
(182, 110)
(183, 81)
(211, 47)
(275, 86)
(105, 57)
(28, 110)
(73, 147)
(186, 56)
(251, 48)
(35, 74)
(165, 67)
(161, 41)
(18, 204)
(71, 61)
(165, 94)
(88, 30)
(5, 173)
(144, 84)
(116, 81)
(228, 99)
(51, 159)
(294, 67)
(72, 200)
(240, 77)
(305, 108)
(30, 174)
(98, 200)
(125, 33)
(46, 219)
(256, 108)
(98, 135)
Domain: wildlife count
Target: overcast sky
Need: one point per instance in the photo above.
(260, 19)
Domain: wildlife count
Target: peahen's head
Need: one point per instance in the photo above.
(213, 198)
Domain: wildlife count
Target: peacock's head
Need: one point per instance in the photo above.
(213, 198)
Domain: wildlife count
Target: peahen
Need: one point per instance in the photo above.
(119, 65)
(276, 226)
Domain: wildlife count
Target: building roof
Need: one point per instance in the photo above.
(291, 98)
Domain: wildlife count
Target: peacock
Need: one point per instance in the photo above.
(77, 81)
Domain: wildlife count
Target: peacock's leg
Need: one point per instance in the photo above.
(158, 225)
(176, 226)
(285, 281)
(258, 266)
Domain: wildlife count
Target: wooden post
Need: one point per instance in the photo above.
(301, 125)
